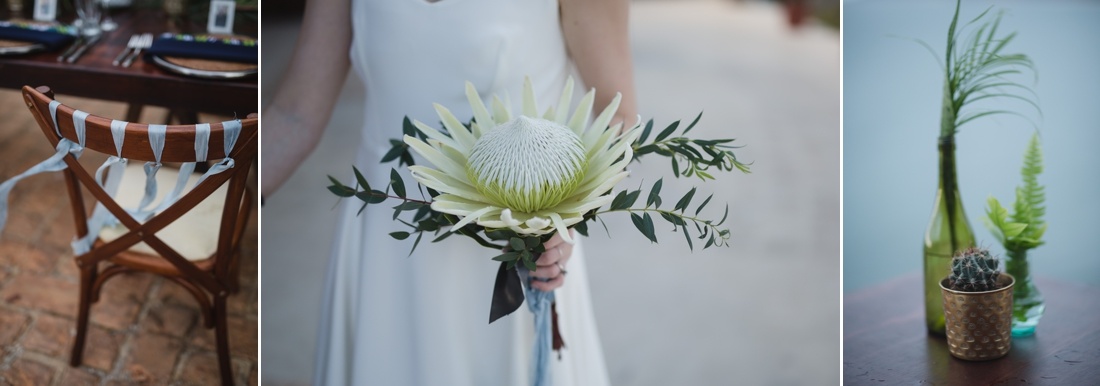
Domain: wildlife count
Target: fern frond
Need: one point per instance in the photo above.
(1024, 228)
(1030, 196)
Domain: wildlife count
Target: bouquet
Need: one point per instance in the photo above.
(509, 182)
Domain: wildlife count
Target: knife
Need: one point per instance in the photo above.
(80, 51)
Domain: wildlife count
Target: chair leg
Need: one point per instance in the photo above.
(133, 112)
(87, 279)
(221, 330)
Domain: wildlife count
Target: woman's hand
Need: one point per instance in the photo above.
(551, 262)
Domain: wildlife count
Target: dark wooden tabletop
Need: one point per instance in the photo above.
(886, 343)
(142, 83)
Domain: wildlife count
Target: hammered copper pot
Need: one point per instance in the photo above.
(979, 324)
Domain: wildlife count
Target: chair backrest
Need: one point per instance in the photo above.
(178, 144)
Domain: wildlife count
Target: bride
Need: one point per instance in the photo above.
(388, 319)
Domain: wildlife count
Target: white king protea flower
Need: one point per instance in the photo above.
(530, 173)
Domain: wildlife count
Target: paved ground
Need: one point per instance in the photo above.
(144, 329)
(753, 312)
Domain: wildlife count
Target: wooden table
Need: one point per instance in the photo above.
(886, 343)
(142, 83)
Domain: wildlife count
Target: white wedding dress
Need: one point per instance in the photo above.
(393, 319)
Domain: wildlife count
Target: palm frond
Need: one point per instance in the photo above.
(975, 69)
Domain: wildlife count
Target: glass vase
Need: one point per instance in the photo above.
(948, 232)
(1027, 302)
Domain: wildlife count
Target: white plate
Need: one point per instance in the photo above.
(201, 73)
(20, 49)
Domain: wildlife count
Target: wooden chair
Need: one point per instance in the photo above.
(210, 275)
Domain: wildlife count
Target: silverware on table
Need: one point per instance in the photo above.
(72, 48)
(131, 45)
(80, 51)
(144, 42)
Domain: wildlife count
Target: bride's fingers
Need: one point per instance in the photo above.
(553, 242)
(556, 255)
(551, 285)
(547, 272)
(557, 240)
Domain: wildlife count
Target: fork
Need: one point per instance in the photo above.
(131, 45)
(144, 42)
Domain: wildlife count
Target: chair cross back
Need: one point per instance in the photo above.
(71, 131)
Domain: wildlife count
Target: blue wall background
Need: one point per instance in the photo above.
(892, 96)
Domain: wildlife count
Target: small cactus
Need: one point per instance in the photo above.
(974, 270)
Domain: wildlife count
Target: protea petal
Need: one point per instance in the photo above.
(585, 204)
(602, 186)
(472, 216)
(441, 182)
(436, 135)
(481, 114)
(563, 102)
(603, 141)
(537, 223)
(455, 155)
(500, 113)
(458, 131)
(530, 109)
(434, 156)
(456, 205)
(562, 228)
(584, 110)
(599, 125)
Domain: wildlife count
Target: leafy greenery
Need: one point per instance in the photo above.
(698, 155)
(519, 249)
(1024, 228)
(976, 69)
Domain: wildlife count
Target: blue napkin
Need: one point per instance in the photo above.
(205, 47)
(53, 37)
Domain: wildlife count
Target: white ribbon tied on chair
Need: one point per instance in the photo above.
(230, 131)
(114, 165)
(55, 163)
(202, 140)
(156, 142)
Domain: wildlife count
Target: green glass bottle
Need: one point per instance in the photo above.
(948, 232)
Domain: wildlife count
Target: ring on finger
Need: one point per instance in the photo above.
(562, 268)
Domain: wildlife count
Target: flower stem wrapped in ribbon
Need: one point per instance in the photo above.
(518, 179)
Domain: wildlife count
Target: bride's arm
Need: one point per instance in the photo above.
(292, 125)
(598, 39)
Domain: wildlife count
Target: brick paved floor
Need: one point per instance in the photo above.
(144, 329)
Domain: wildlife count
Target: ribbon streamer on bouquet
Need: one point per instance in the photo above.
(540, 302)
(55, 163)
